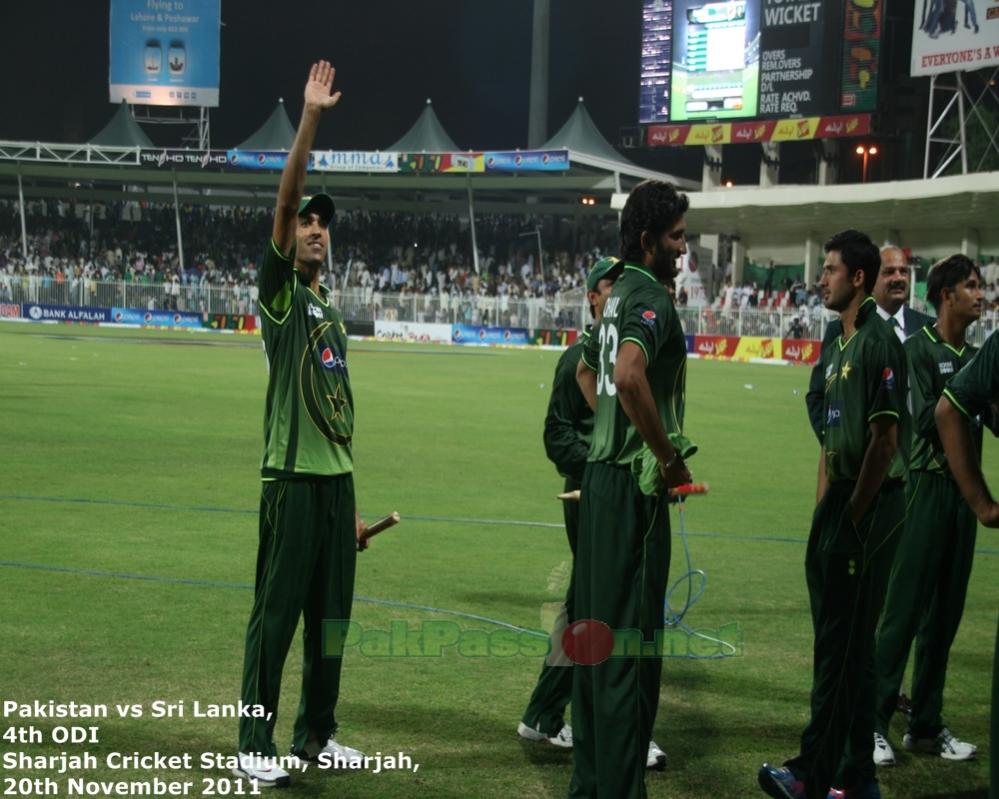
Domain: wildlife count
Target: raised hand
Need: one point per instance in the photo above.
(317, 90)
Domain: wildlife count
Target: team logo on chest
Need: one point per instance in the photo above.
(315, 311)
(946, 367)
(330, 411)
(332, 359)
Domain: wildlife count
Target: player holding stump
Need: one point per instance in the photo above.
(860, 513)
(633, 372)
(308, 523)
(929, 579)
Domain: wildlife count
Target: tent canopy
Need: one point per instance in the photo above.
(426, 135)
(277, 133)
(579, 134)
(122, 131)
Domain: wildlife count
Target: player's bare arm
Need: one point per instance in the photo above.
(636, 400)
(587, 380)
(318, 98)
(880, 450)
(962, 457)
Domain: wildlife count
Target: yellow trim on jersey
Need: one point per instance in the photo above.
(294, 277)
(642, 270)
(645, 352)
(958, 405)
(883, 413)
(323, 300)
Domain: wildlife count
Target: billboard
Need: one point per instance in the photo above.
(165, 52)
(804, 129)
(954, 37)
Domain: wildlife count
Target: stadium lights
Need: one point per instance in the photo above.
(588, 200)
(866, 152)
(729, 184)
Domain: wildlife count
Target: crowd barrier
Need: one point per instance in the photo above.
(722, 347)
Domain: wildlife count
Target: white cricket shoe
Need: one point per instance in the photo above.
(656, 758)
(884, 755)
(263, 770)
(562, 739)
(945, 745)
(339, 756)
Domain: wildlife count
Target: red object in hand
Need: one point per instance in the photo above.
(688, 489)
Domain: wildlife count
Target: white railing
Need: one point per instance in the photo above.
(565, 310)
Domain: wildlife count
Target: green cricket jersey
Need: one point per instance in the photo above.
(640, 310)
(569, 421)
(976, 386)
(932, 362)
(865, 377)
(309, 414)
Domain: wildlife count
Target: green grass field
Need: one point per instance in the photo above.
(128, 543)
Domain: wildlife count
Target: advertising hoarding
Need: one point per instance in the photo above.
(165, 52)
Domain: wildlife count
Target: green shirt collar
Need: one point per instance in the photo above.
(867, 307)
(633, 267)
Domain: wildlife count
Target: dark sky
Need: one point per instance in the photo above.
(471, 56)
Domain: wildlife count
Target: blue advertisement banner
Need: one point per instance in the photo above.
(527, 161)
(135, 316)
(260, 159)
(471, 334)
(690, 343)
(64, 313)
(165, 52)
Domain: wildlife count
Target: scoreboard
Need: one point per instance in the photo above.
(718, 60)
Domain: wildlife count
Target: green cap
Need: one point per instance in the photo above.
(321, 204)
(600, 270)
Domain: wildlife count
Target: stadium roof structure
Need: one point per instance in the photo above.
(952, 203)
(427, 135)
(122, 131)
(277, 132)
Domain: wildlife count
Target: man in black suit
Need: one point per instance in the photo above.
(890, 293)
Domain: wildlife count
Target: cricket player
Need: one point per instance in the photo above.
(308, 525)
(568, 430)
(891, 293)
(859, 518)
(632, 373)
(929, 579)
(974, 393)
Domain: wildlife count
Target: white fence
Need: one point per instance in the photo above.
(565, 310)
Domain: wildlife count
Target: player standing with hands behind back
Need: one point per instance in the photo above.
(633, 373)
(308, 523)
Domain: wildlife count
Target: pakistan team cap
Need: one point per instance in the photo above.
(600, 270)
(321, 204)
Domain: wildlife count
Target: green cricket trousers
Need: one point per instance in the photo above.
(622, 563)
(926, 592)
(546, 708)
(305, 567)
(846, 569)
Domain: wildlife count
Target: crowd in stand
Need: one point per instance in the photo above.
(382, 259)
(376, 251)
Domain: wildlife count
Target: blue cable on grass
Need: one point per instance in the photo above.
(674, 619)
